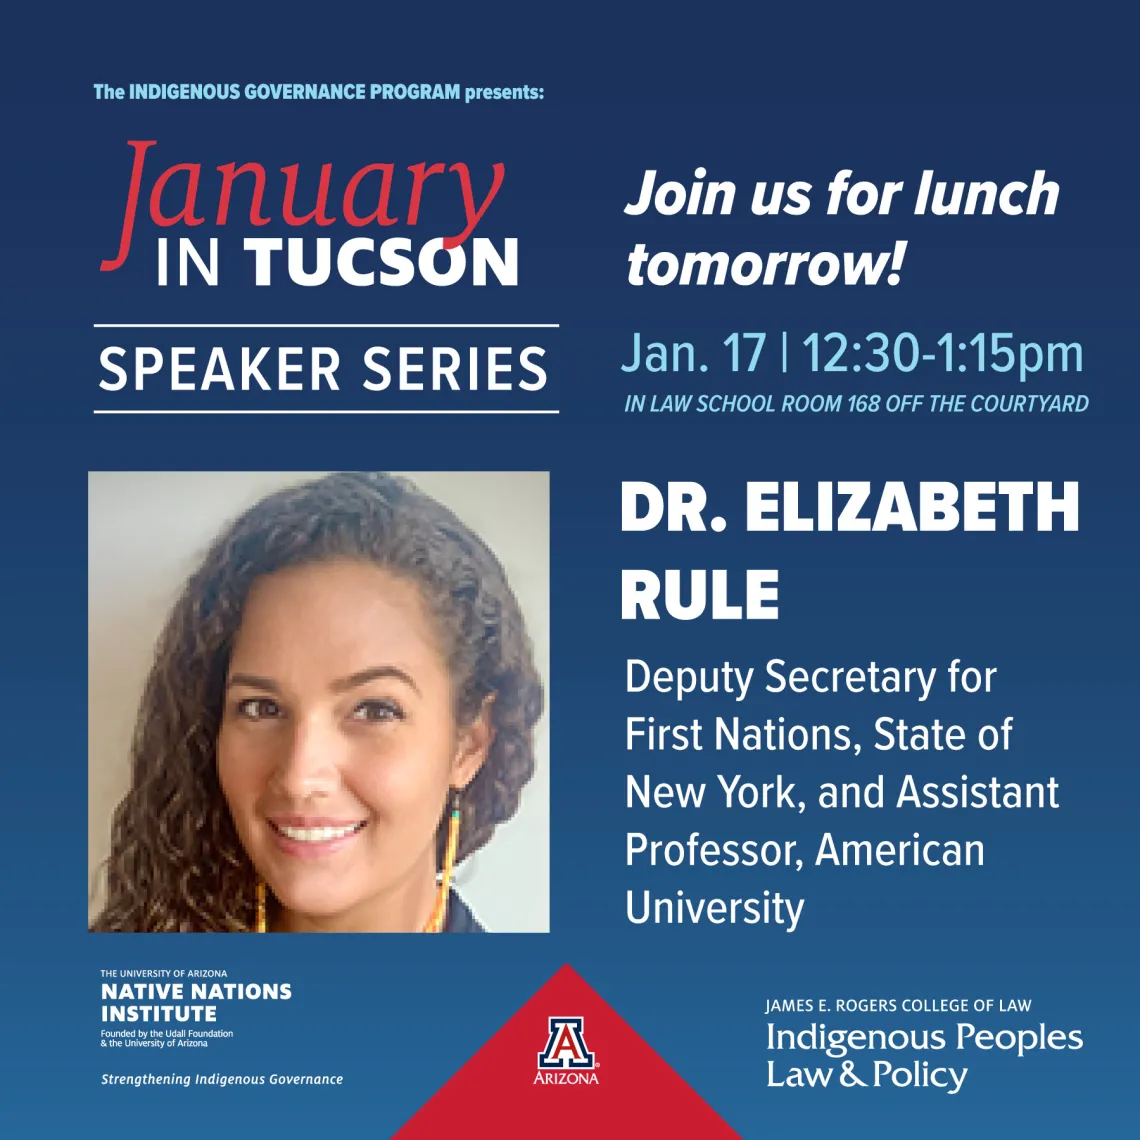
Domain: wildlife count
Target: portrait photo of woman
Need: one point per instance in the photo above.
(341, 705)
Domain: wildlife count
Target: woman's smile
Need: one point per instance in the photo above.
(313, 838)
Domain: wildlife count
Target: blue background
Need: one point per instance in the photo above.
(977, 95)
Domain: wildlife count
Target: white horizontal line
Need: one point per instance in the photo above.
(470, 325)
(325, 411)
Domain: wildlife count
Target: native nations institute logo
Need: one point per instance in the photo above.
(566, 1060)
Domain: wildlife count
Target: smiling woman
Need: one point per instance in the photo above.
(341, 708)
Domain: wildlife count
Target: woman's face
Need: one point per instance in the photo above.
(339, 743)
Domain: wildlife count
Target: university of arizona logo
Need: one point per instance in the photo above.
(566, 1060)
(566, 1046)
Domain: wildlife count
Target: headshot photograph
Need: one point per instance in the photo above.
(316, 702)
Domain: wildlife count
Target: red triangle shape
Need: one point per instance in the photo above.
(628, 1091)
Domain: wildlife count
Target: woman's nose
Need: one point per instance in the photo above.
(309, 764)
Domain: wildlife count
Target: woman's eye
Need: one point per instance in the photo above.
(259, 708)
(373, 711)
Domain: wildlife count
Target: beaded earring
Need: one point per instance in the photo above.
(438, 919)
(260, 927)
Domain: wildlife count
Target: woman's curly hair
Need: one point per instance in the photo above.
(176, 862)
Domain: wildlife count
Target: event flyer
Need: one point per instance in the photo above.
(662, 499)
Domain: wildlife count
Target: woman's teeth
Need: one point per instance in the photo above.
(316, 834)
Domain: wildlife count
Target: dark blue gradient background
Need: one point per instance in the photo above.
(1052, 914)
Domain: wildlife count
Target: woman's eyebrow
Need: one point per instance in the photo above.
(374, 673)
(252, 682)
